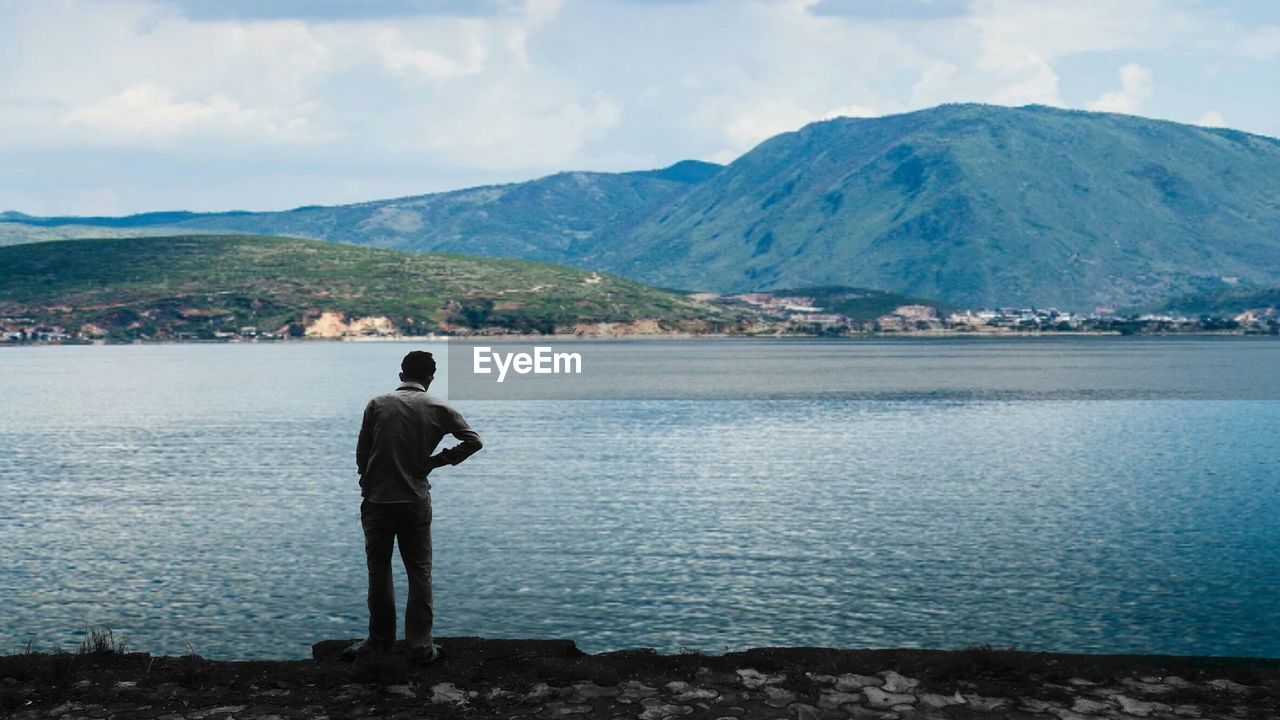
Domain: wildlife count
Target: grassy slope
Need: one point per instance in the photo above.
(1224, 302)
(182, 282)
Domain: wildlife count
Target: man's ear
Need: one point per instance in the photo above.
(402, 377)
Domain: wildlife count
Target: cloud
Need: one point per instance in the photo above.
(850, 111)
(1212, 118)
(764, 121)
(336, 9)
(1261, 44)
(466, 54)
(891, 9)
(146, 114)
(1022, 44)
(242, 103)
(1134, 92)
(799, 68)
(516, 128)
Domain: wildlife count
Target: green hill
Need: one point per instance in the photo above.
(978, 205)
(202, 285)
(1224, 302)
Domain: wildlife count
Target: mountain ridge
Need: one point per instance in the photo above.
(977, 205)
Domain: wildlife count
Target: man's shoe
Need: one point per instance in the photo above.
(361, 649)
(425, 654)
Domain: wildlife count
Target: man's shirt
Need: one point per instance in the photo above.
(399, 434)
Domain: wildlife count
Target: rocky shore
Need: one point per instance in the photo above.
(478, 678)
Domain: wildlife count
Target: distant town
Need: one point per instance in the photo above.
(799, 315)
(770, 315)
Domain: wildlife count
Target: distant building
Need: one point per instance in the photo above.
(794, 303)
(820, 319)
(968, 318)
(891, 323)
(917, 312)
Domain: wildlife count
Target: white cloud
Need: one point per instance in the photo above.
(1261, 44)
(798, 68)
(1212, 118)
(145, 114)
(399, 56)
(1036, 83)
(851, 111)
(764, 121)
(1134, 92)
(936, 84)
(1022, 43)
(514, 129)
(333, 104)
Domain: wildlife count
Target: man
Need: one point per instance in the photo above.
(394, 455)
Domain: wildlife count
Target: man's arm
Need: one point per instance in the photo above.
(463, 450)
(470, 442)
(365, 442)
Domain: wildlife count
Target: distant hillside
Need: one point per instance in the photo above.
(202, 285)
(141, 220)
(553, 219)
(1224, 302)
(13, 232)
(981, 206)
(971, 204)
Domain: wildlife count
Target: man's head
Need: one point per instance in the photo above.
(418, 366)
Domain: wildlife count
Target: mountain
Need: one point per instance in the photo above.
(552, 219)
(204, 285)
(140, 220)
(979, 205)
(970, 204)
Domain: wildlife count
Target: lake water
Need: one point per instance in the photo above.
(205, 495)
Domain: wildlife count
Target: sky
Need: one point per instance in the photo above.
(121, 106)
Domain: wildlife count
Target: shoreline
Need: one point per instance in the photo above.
(567, 337)
(491, 678)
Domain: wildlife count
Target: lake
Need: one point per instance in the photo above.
(910, 493)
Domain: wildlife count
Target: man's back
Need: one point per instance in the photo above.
(398, 435)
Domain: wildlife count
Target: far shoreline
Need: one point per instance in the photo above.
(648, 337)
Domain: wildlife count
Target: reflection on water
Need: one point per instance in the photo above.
(207, 494)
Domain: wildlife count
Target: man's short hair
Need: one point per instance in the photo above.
(419, 365)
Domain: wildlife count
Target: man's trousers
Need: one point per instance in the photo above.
(409, 525)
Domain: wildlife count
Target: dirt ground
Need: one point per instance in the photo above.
(478, 678)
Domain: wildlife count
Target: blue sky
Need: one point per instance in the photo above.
(115, 106)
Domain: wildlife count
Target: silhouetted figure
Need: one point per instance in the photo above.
(401, 430)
